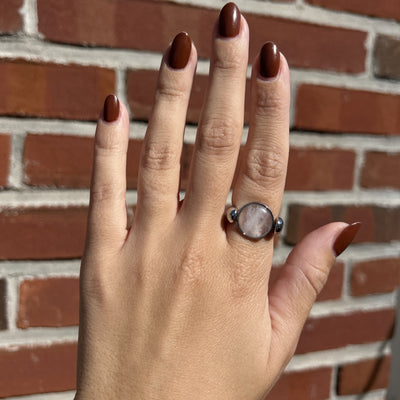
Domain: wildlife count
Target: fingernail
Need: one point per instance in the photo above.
(111, 108)
(229, 20)
(345, 238)
(180, 51)
(269, 60)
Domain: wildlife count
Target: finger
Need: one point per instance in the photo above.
(221, 122)
(301, 280)
(107, 212)
(158, 181)
(262, 172)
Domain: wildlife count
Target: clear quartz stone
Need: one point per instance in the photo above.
(255, 220)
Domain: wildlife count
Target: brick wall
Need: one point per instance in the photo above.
(58, 61)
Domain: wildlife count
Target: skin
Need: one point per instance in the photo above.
(178, 306)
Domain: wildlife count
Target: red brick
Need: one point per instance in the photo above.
(376, 276)
(58, 160)
(304, 219)
(324, 48)
(382, 9)
(37, 369)
(364, 376)
(51, 302)
(386, 56)
(334, 331)
(315, 169)
(151, 25)
(53, 90)
(66, 161)
(3, 305)
(5, 157)
(313, 384)
(42, 233)
(333, 287)
(330, 109)
(380, 170)
(10, 18)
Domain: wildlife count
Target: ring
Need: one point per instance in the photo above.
(254, 220)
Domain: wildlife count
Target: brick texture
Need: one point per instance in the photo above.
(330, 109)
(315, 169)
(364, 376)
(49, 302)
(3, 305)
(387, 56)
(66, 161)
(58, 160)
(386, 9)
(303, 219)
(380, 170)
(135, 24)
(53, 90)
(334, 331)
(376, 276)
(10, 18)
(333, 287)
(42, 233)
(5, 156)
(37, 369)
(311, 384)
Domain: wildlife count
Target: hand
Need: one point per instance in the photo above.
(178, 306)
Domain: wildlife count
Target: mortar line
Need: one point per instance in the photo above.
(15, 178)
(12, 303)
(30, 18)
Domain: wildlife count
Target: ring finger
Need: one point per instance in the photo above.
(262, 171)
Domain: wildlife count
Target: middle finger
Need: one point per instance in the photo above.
(221, 123)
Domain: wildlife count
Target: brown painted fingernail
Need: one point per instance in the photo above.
(269, 60)
(180, 51)
(345, 238)
(111, 108)
(229, 20)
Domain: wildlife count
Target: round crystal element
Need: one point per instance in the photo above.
(255, 220)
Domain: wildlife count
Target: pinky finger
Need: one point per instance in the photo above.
(107, 219)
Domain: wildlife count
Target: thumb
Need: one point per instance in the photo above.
(301, 280)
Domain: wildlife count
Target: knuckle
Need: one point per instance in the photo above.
(170, 91)
(219, 137)
(159, 156)
(191, 272)
(106, 192)
(265, 166)
(268, 101)
(109, 144)
(230, 61)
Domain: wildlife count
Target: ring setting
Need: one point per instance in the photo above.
(254, 220)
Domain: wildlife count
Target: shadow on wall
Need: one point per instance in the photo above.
(394, 385)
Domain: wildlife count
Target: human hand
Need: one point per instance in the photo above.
(178, 305)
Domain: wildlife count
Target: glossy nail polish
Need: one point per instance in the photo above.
(229, 20)
(345, 238)
(111, 108)
(180, 51)
(269, 60)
